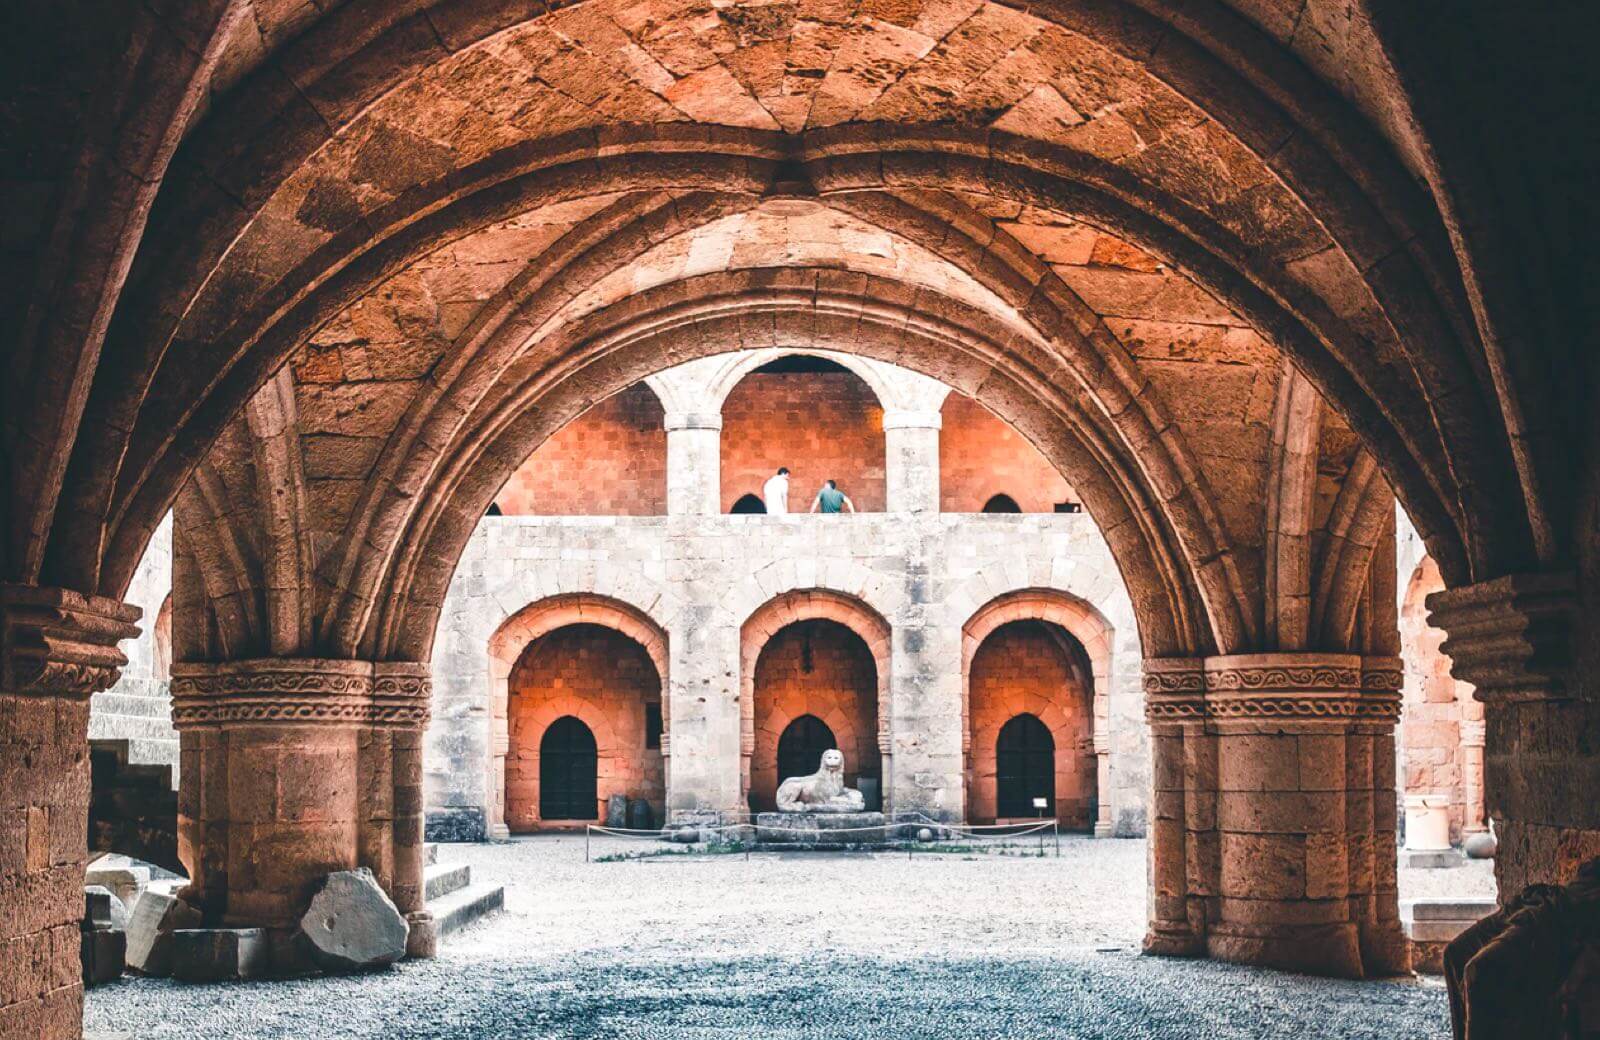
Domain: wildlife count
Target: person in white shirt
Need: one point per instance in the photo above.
(776, 491)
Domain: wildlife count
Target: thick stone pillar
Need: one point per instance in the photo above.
(694, 463)
(1517, 639)
(707, 762)
(1182, 832)
(911, 460)
(1272, 817)
(295, 768)
(56, 649)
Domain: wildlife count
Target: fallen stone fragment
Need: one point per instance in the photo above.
(104, 909)
(352, 925)
(155, 917)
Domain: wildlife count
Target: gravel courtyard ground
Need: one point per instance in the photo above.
(798, 946)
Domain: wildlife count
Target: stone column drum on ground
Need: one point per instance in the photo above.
(57, 647)
(294, 769)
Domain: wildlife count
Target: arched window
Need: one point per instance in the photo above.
(749, 504)
(1025, 768)
(801, 746)
(1002, 504)
(568, 772)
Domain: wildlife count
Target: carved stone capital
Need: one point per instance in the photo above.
(300, 691)
(1174, 689)
(1285, 686)
(56, 642)
(1511, 638)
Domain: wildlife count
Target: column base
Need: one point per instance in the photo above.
(1173, 940)
(423, 942)
(1331, 950)
(1104, 830)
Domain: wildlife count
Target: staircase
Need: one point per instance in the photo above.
(452, 898)
(136, 715)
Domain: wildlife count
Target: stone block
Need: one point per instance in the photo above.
(155, 917)
(822, 828)
(102, 909)
(617, 810)
(125, 881)
(219, 954)
(352, 925)
(104, 954)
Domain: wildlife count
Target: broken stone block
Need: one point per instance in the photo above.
(124, 880)
(155, 917)
(639, 816)
(104, 954)
(617, 811)
(352, 925)
(219, 954)
(102, 909)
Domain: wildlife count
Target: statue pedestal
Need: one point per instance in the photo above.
(821, 830)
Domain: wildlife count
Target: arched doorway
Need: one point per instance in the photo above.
(749, 504)
(1001, 503)
(801, 746)
(1025, 768)
(568, 771)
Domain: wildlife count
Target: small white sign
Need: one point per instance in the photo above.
(1041, 803)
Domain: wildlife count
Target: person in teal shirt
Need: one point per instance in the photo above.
(831, 500)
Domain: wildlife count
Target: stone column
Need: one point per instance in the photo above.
(293, 768)
(694, 463)
(1517, 640)
(1295, 812)
(57, 648)
(911, 460)
(1182, 832)
(1475, 826)
(703, 702)
(1372, 818)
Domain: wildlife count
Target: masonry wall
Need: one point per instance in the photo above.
(699, 578)
(1436, 707)
(980, 456)
(610, 461)
(1023, 667)
(604, 679)
(819, 668)
(821, 425)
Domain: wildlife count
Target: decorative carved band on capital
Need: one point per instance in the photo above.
(56, 642)
(1511, 638)
(1272, 686)
(301, 691)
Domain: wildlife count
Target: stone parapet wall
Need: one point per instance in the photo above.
(699, 578)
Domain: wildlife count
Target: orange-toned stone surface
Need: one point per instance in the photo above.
(1026, 668)
(821, 668)
(604, 679)
(980, 457)
(610, 461)
(821, 425)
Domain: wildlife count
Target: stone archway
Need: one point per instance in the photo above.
(1095, 636)
(799, 606)
(518, 633)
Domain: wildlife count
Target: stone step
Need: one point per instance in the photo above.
(441, 879)
(131, 704)
(430, 853)
(1446, 908)
(116, 726)
(460, 908)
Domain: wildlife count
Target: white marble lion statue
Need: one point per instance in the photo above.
(822, 791)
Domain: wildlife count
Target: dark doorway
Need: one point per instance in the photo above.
(1025, 768)
(749, 504)
(1002, 504)
(567, 768)
(801, 746)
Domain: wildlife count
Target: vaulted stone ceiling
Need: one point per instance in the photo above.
(1109, 203)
